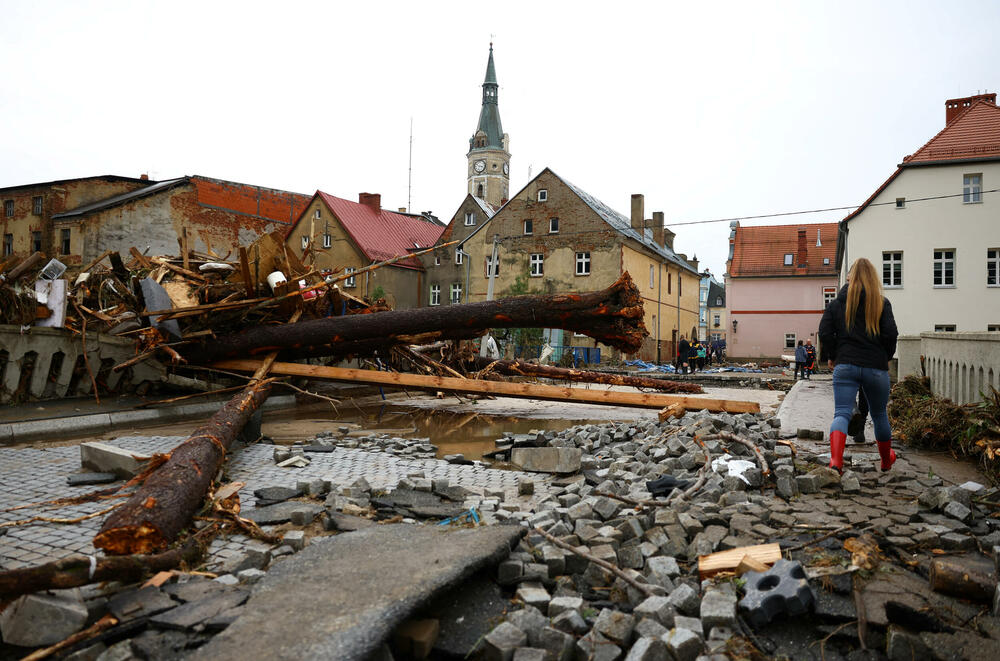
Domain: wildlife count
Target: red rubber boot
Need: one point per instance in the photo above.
(837, 441)
(887, 453)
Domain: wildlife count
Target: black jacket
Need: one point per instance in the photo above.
(683, 348)
(853, 345)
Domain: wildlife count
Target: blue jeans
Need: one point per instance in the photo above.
(846, 381)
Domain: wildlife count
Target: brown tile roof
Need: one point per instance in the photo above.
(973, 134)
(760, 251)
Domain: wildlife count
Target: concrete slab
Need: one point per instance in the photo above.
(360, 585)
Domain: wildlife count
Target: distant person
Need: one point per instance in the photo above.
(810, 359)
(693, 355)
(858, 335)
(800, 360)
(683, 349)
(702, 356)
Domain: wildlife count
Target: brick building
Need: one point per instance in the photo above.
(556, 237)
(333, 233)
(449, 270)
(26, 224)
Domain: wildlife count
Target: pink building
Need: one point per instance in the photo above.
(778, 281)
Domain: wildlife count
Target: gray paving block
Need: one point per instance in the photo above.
(43, 618)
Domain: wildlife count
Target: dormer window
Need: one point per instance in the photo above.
(470, 218)
(789, 257)
(543, 195)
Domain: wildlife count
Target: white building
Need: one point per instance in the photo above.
(933, 227)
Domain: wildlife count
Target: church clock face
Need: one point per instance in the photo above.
(479, 166)
(506, 168)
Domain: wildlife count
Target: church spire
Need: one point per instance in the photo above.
(489, 127)
(489, 158)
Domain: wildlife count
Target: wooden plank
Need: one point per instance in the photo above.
(499, 388)
(245, 271)
(139, 257)
(177, 269)
(94, 262)
(713, 563)
(185, 255)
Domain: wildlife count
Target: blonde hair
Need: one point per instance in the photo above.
(864, 277)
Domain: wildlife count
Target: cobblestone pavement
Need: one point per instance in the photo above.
(36, 475)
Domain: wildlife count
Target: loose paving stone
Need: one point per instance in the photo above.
(371, 578)
(683, 644)
(530, 620)
(658, 608)
(43, 618)
(648, 649)
(595, 647)
(139, 603)
(718, 609)
(547, 460)
(560, 604)
(281, 512)
(82, 479)
(194, 613)
(501, 643)
(106, 458)
(684, 599)
(534, 594)
(464, 613)
(570, 622)
(616, 626)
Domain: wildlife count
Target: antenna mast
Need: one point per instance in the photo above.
(409, 177)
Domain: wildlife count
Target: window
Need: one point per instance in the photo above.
(826, 261)
(8, 244)
(470, 218)
(435, 295)
(789, 340)
(36, 241)
(900, 202)
(829, 294)
(944, 328)
(670, 280)
(703, 294)
(583, 263)
(892, 269)
(537, 264)
(479, 191)
(437, 260)
(718, 301)
(716, 320)
(716, 336)
(944, 268)
(327, 240)
(458, 255)
(972, 188)
(351, 281)
(64, 237)
(456, 292)
(489, 263)
(553, 225)
(652, 275)
(305, 241)
(528, 226)
(993, 328)
(317, 214)
(704, 317)
(36, 205)
(543, 195)
(788, 258)
(993, 267)
(8, 208)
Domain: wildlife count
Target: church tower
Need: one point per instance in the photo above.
(489, 158)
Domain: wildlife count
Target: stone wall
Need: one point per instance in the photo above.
(960, 365)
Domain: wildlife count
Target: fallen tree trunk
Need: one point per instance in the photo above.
(955, 578)
(612, 316)
(80, 570)
(166, 501)
(523, 368)
(498, 388)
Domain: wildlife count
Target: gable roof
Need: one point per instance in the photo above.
(975, 133)
(759, 251)
(383, 234)
(102, 177)
(115, 200)
(487, 209)
(716, 290)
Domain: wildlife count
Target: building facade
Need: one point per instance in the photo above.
(334, 234)
(489, 147)
(779, 279)
(704, 288)
(717, 312)
(449, 269)
(554, 237)
(933, 228)
(26, 220)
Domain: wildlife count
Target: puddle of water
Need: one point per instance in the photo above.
(469, 434)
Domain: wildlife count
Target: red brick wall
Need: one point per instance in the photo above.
(266, 203)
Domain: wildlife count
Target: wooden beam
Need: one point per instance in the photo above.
(498, 388)
(245, 271)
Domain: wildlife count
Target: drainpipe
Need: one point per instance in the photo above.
(659, 318)
(468, 266)
(490, 287)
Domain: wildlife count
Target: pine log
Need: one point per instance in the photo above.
(78, 570)
(164, 504)
(955, 578)
(524, 368)
(612, 316)
(498, 388)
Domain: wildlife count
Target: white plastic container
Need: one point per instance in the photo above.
(276, 278)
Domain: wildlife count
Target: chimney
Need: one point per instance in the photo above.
(657, 225)
(802, 259)
(402, 209)
(955, 107)
(144, 176)
(371, 200)
(668, 238)
(694, 262)
(638, 212)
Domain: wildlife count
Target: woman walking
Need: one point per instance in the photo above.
(858, 337)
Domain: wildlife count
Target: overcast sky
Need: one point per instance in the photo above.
(710, 110)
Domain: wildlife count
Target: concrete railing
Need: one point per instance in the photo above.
(959, 365)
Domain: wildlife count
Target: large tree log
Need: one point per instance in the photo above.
(80, 570)
(959, 580)
(523, 368)
(498, 388)
(166, 501)
(612, 316)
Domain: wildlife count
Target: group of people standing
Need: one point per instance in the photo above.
(695, 355)
(805, 359)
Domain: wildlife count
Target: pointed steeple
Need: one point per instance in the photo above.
(489, 133)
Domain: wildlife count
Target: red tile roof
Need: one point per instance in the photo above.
(760, 251)
(383, 234)
(973, 134)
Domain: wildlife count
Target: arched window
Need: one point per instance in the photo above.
(479, 191)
